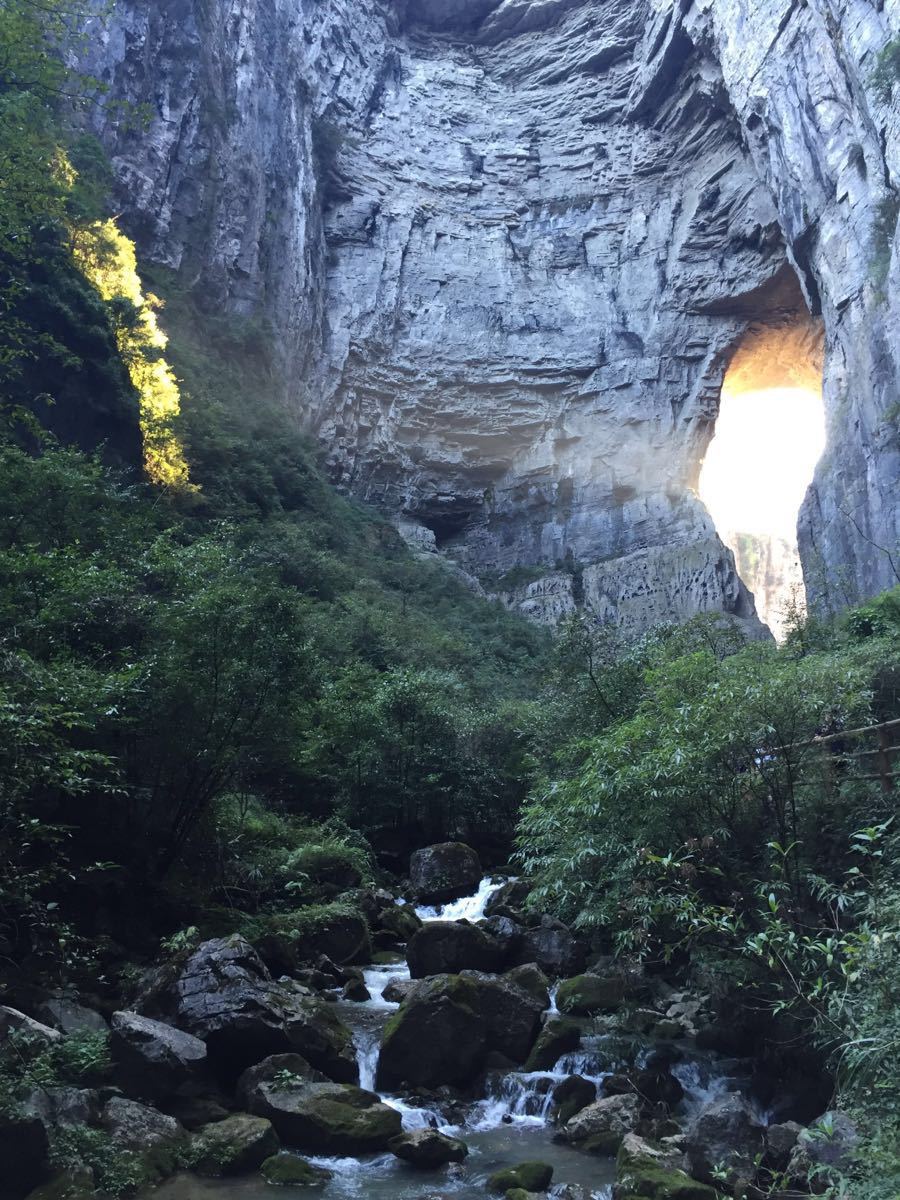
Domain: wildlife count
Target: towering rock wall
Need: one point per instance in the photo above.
(510, 248)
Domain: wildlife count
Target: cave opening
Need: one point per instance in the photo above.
(769, 435)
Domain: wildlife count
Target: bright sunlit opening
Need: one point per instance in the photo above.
(761, 460)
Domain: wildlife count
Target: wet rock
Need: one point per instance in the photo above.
(277, 1067)
(154, 1060)
(355, 989)
(68, 1016)
(823, 1148)
(444, 872)
(724, 1135)
(428, 1149)
(559, 1036)
(289, 1170)
(529, 1176)
(439, 1036)
(648, 1170)
(448, 947)
(588, 994)
(571, 1096)
(137, 1126)
(508, 900)
(24, 1154)
(600, 1127)
(530, 978)
(326, 1118)
(234, 1146)
(512, 1015)
(553, 947)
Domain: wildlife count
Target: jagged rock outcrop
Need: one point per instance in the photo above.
(510, 247)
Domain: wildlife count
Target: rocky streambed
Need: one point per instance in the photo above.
(494, 1051)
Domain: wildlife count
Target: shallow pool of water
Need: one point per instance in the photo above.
(383, 1177)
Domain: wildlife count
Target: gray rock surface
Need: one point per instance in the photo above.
(511, 246)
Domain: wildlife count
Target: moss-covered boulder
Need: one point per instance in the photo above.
(326, 1118)
(400, 921)
(648, 1171)
(559, 1036)
(234, 1146)
(444, 872)
(289, 1170)
(448, 947)
(317, 1033)
(529, 1176)
(438, 1036)
(588, 994)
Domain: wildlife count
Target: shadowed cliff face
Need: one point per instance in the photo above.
(509, 249)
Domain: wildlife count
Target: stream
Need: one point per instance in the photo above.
(508, 1126)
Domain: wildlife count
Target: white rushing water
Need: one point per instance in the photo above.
(469, 908)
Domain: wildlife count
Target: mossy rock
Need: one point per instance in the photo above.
(234, 1146)
(587, 994)
(645, 1171)
(526, 1177)
(289, 1170)
(559, 1036)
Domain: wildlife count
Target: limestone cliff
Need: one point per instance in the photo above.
(510, 248)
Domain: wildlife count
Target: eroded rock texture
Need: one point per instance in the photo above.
(510, 249)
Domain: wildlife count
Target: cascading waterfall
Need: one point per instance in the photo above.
(469, 908)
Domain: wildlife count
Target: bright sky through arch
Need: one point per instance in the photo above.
(761, 459)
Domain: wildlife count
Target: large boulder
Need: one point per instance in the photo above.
(531, 979)
(154, 1060)
(24, 1154)
(650, 1171)
(438, 1036)
(588, 994)
(427, 1149)
(444, 872)
(601, 1126)
(512, 1015)
(224, 995)
(238, 1144)
(448, 947)
(316, 1032)
(138, 1127)
(559, 1036)
(553, 946)
(327, 1118)
(724, 1136)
